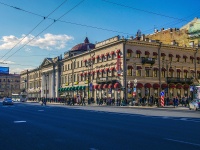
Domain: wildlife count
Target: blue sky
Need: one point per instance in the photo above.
(96, 19)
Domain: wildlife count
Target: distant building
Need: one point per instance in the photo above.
(186, 36)
(9, 83)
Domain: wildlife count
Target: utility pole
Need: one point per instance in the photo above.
(159, 76)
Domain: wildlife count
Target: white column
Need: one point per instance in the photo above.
(43, 85)
(57, 83)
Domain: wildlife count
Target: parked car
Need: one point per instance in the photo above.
(7, 101)
(194, 104)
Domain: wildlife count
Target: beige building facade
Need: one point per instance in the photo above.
(9, 83)
(109, 69)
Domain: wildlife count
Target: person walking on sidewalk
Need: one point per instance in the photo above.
(83, 101)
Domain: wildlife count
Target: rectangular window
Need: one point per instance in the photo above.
(185, 74)
(129, 72)
(137, 55)
(155, 73)
(163, 74)
(177, 59)
(138, 73)
(128, 55)
(171, 74)
(170, 58)
(147, 73)
(178, 74)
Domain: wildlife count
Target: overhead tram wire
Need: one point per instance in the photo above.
(46, 28)
(34, 27)
(151, 12)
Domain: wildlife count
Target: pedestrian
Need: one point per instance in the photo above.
(83, 101)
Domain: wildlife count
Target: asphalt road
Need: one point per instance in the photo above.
(30, 126)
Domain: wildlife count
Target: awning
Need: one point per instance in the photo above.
(112, 68)
(185, 70)
(178, 56)
(171, 70)
(186, 86)
(97, 56)
(93, 72)
(112, 52)
(93, 58)
(147, 68)
(81, 74)
(138, 52)
(156, 86)
(100, 86)
(85, 60)
(116, 85)
(163, 69)
(107, 54)
(155, 68)
(198, 71)
(163, 86)
(102, 70)
(77, 88)
(102, 55)
(107, 69)
(85, 73)
(80, 88)
(89, 59)
(118, 51)
(172, 86)
(139, 67)
(147, 85)
(131, 84)
(178, 70)
(178, 86)
(155, 53)
(105, 86)
(184, 56)
(146, 53)
(163, 54)
(129, 51)
(96, 86)
(139, 85)
(171, 55)
(192, 71)
(130, 67)
(191, 57)
(110, 86)
(198, 58)
(97, 71)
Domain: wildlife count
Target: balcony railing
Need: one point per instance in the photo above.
(179, 80)
(148, 60)
(106, 79)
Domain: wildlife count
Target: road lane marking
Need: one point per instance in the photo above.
(182, 142)
(21, 121)
(40, 110)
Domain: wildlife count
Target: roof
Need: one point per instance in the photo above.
(83, 46)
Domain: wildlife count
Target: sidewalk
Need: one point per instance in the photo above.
(128, 106)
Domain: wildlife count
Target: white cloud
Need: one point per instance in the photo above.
(28, 50)
(6, 62)
(48, 42)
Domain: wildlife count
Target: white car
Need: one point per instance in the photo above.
(194, 104)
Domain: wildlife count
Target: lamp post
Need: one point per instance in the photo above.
(88, 65)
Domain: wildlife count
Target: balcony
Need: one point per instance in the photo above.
(100, 80)
(179, 80)
(148, 60)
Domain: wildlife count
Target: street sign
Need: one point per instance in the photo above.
(134, 89)
(91, 87)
